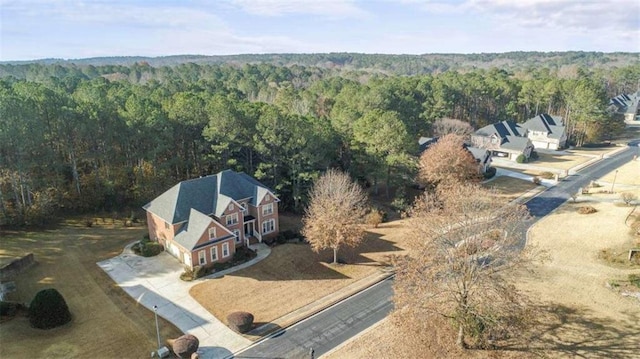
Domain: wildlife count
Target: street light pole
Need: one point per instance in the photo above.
(155, 311)
(614, 180)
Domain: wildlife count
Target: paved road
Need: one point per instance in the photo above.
(337, 324)
(329, 328)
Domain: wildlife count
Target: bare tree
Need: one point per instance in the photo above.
(334, 217)
(628, 197)
(446, 126)
(465, 245)
(448, 160)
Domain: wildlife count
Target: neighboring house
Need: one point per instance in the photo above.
(202, 221)
(505, 139)
(481, 155)
(628, 105)
(546, 132)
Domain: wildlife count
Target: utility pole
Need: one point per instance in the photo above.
(614, 180)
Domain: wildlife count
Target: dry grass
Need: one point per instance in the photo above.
(509, 187)
(629, 174)
(596, 151)
(294, 276)
(560, 161)
(106, 323)
(597, 319)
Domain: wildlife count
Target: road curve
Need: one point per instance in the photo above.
(336, 324)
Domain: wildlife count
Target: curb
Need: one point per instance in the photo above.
(317, 306)
(353, 338)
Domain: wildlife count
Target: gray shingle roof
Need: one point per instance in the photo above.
(552, 125)
(208, 195)
(192, 231)
(502, 129)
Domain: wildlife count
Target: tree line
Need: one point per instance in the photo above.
(104, 138)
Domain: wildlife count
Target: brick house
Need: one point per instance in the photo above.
(202, 221)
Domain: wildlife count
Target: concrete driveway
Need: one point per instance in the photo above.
(156, 281)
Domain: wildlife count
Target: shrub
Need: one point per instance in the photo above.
(628, 197)
(240, 322)
(88, 222)
(547, 175)
(534, 155)
(147, 248)
(199, 272)
(374, 218)
(536, 180)
(634, 279)
(587, 210)
(9, 309)
(187, 275)
(595, 184)
(281, 239)
(491, 171)
(521, 158)
(289, 234)
(48, 310)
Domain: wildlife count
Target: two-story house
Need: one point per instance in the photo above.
(505, 139)
(546, 131)
(202, 221)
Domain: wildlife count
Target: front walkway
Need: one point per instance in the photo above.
(156, 281)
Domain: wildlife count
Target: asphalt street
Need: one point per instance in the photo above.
(329, 328)
(338, 323)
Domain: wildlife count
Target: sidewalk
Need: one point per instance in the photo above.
(155, 281)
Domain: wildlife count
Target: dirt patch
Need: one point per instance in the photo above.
(510, 187)
(107, 323)
(294, 276)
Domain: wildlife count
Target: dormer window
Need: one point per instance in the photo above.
(212, 233)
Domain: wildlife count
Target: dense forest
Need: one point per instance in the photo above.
(80, 138)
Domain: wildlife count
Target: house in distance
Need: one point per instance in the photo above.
(203, 220)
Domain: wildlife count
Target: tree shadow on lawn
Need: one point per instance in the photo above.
(571, 332)
(298, 262)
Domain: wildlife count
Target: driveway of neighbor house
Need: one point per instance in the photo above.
(156, 281)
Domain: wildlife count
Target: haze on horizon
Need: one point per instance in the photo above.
(37, 29)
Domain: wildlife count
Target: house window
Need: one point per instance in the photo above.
(268, 226)
(244, 208)
(232, 219)
(214, 254)
(225, 249)
(267, 209)
(212, 232)
(202, 258)
(236, 232)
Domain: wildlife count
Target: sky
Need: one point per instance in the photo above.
(72, 29)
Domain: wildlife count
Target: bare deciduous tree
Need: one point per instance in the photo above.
(465, 244)
(628, 197)
(448, 160)
(334, 217)
(446, 126)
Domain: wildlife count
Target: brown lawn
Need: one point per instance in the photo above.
(629, 174)
(294, 276)
(509, 187)
(581, 316)
(560, 161)
(597, 151)
(106, 323)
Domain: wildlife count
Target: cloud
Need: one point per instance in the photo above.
(584, 15)
(328, 8)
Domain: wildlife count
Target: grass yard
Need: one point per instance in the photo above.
(294, 276)
(107, 323)
(629, 174)
(560, 161)
(509, 187)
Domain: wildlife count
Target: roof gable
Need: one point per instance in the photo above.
(208, 195)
